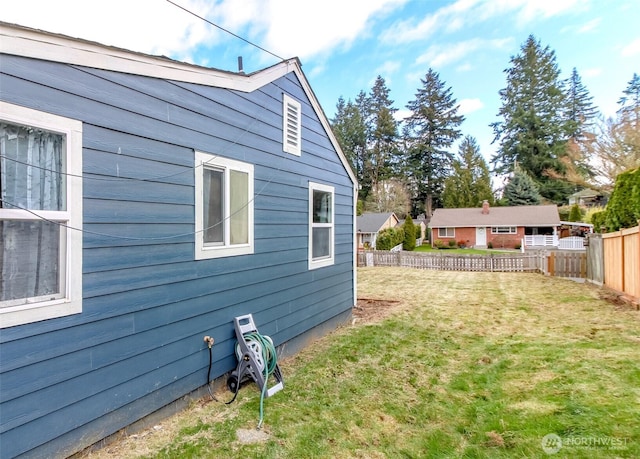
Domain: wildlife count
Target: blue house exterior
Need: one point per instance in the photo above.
(182, 197)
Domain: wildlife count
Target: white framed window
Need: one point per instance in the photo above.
(321, 225)
(504, 230)
(291, 125)
(446, 232)
(40, 215)
(224, 207)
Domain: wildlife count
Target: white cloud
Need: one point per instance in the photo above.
(387, 68)
(592, 72)
(533, 10)
(146, 26)
(304, 29)
(631, 49)
(590, 26)
(402, 114)
(441, 55)
(465, 13)
(450, 18)
(466, 106)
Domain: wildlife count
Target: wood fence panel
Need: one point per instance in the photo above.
(613, 261)
(622, 261)
(568, 264)
(631, 269)
(595, 259)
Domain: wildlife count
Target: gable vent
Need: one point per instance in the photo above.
(291, 125)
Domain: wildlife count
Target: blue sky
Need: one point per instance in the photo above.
(345, 44)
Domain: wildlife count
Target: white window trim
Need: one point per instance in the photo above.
(203, 252)
(323, 261)
(512, 230)
(291, 128)
(71, 239)
(445, 232)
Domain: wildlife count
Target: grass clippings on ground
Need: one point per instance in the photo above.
(438, 364)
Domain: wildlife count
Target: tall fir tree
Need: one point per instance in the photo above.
(630, 102)
(580, 115)
(351, 133)
(470, 182)
(521, 190)
(534, 130)
(580, 111)
(383, 133)
(430, 131)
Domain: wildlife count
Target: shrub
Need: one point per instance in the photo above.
(452, 243)
(598, 220)
(389, 238)
(462, 244)
(438, 244)
(564, 212)
(518, 246)
(490, 245)
(409, 240)
(575, 215)
(623, 209)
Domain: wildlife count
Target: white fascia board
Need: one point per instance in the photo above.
(323, 120)
(20, 41)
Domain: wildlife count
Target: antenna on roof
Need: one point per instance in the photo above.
(240, 68)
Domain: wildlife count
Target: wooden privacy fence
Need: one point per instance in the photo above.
(621, 260)
(562, 264)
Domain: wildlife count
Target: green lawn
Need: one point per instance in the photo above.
(462, 365)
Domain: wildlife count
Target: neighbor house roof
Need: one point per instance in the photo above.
(497, 216)
(371, 223)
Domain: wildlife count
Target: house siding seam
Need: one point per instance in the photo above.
(146, 302)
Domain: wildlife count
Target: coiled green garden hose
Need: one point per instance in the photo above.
(270, 360)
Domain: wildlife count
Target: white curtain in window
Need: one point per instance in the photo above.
(239, 203)
(31, 178)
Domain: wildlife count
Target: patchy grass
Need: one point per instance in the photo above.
(438, 364)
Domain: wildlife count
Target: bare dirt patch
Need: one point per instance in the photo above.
(369, 310)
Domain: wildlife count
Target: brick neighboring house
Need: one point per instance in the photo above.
(502, 227)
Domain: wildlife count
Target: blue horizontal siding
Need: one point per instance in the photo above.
(137, 345)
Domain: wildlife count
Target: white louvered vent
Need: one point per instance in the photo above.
(291, 125)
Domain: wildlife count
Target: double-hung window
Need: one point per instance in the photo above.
(224, 207)
(40, 215)
(321, 225)
(446, 232)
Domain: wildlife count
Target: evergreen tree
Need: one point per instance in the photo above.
(623, 208)
(534, 130)
(350, 131)
(409, 242)
(630, 102)
(382, 133)
(580, 111)
(470, 182)
(521, 190)
(430, 130)
(575, 215)
(580, 114)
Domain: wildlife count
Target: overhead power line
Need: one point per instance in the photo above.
(225, 30)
